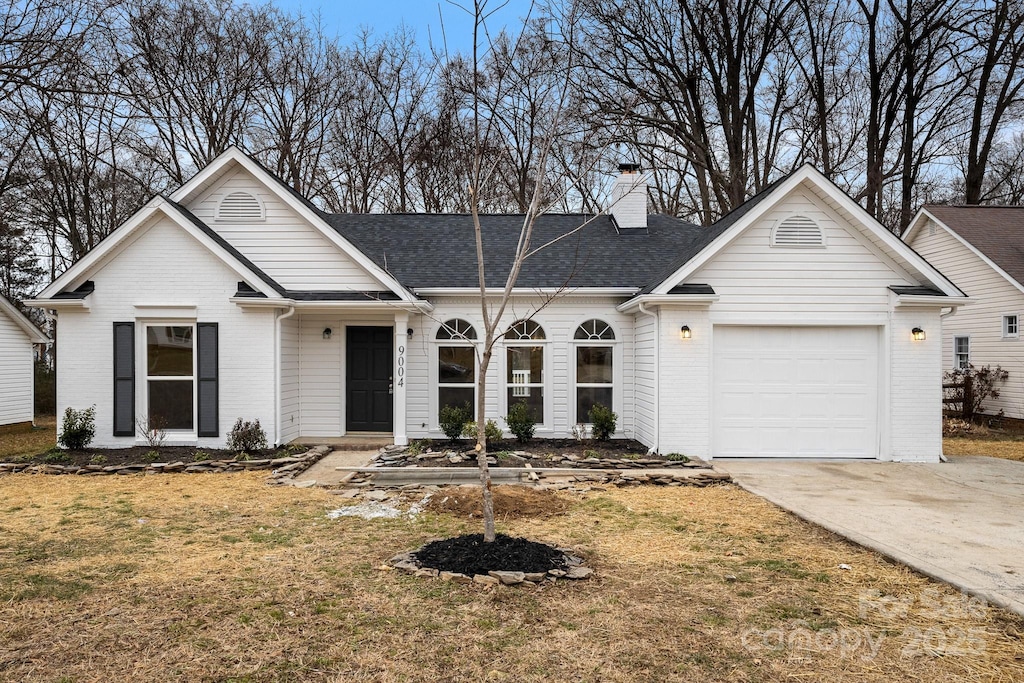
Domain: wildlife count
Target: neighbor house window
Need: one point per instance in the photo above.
(525, 366)
(1010, 329)
(594, 376)
(961, 352)
(456, 365)
(170, 377)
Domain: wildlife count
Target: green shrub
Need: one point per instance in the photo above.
(520, 421)
(56, 457)
(453, 419)
(492, 432)
(78, 429)
(677, 457)
(418, 446)
(97, 459)
(603, 422)
(151, 456)
(247, 437)
(200, 456)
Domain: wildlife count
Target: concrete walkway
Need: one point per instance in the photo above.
(325, 471)
(961, 522)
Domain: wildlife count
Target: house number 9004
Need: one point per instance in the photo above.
(401, 366)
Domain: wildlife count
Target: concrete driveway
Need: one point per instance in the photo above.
(961, 522)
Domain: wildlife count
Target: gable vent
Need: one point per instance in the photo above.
(240, 206)
(797, 231)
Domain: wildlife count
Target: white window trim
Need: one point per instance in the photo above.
(1016, 323)
(956, 365)
(616, 385)
(547, 425)
(435, 376)
(175, 437)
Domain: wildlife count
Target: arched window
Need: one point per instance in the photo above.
(240, 206)
(595, 378)
(524, 375)
(456, 364)
(797, 231)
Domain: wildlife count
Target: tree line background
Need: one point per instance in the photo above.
(104, 104)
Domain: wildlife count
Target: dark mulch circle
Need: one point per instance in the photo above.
(469, 555)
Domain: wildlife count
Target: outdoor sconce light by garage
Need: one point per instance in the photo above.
(918, 334)
(327, 333)
(684, 332)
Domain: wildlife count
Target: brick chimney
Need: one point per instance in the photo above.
(629, 198)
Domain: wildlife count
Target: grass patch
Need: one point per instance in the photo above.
(18, 447)
(990, 443)
(182, 578)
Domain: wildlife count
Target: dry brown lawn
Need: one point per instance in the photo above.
(221, 578)
(41, 438)
(986, 442)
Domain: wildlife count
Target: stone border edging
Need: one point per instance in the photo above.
(284, 468)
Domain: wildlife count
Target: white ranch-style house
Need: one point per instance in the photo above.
(785, 329)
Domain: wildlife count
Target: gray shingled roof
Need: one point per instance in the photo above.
(995, 231)
(425, 251)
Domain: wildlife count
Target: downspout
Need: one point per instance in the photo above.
(277, 372)
(657, 378)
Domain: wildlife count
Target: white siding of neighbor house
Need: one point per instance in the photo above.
(992, 296)
(166, 266)
(559, 320)
(285, 245)
(15, 373)
(848, 276)
(290, 364)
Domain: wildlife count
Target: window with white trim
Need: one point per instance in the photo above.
(961, 352)
(170, 377)
(525, 366)
(456, 364)
(594, 367)
(1010, 328)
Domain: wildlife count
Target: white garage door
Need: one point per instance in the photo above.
(795, 392)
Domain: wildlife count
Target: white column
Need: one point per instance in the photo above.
(400, 378)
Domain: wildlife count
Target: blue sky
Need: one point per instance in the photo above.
(345, 18)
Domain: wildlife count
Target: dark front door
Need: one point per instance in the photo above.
(369, 359)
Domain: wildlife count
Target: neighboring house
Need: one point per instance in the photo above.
(782, 330)
(17, 396)
(981, 248)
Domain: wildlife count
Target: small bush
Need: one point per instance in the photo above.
(591, 454)
(97, 459)
(492, 432)
(677, 457)
(247, 437)
(78, 429)
(579, 431)
(453, 419)
(520, 421)
(151, 456)
(418, 446)
(56, 457)
(603, 422)
(200, 456)
(153, 431)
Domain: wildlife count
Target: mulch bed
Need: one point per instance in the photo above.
(469, 555)
(142, 455)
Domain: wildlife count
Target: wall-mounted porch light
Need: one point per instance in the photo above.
(918, 334)
(327, 333)
(684, 332)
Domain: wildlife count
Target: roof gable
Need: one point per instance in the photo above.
(234, 161)
(736, 223)
(78, 273)
(18, 318)
(995, 234)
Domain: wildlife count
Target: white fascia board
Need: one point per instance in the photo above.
(260, 302)
(690, 300)
(233, 154)
(56, 304)
(26, 325)
(528, 291)
(157, 205)
(920, 220)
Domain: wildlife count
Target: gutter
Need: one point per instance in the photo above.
(277, 371)
(657, 377)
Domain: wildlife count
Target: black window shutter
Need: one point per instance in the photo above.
(207, 393)
(124, 379)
